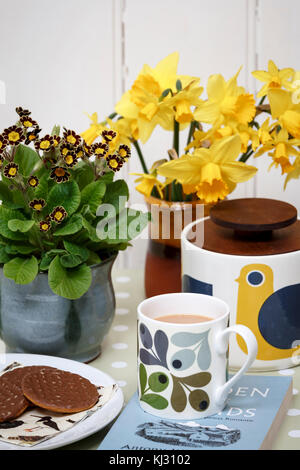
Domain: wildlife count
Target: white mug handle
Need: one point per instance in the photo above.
(221, 345)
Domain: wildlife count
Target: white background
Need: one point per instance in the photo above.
(62, 58)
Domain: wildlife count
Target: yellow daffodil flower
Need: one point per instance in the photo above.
(145, 102)
(273, 78)
(227, 102)
(294, 173)
(147, 183)
(93, 131)
(264, 132)
(282, 147)
(283, 109)
(212, 173)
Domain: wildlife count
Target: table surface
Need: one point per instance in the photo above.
(118, 359)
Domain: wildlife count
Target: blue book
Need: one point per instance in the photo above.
(255, 409)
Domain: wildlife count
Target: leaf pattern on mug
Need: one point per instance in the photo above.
(143, 378)
(198, 398)
(157, 382)
(197, 380)
(183, 359)
(145, 336)
(178, 397)
(147, 358)
(161, 344)
(187, 339)
(156, 401)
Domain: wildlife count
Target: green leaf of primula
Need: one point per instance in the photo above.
(17, 225)
(15, 248)
(4, 257)
(7, 197)
(73, 225)
(77, 250)
(70, 261)
(66, 195)
(21, 270)
(93, 259)
(5, 216)
(93, 194)
(72, 283)
(117, 194)
(83, 174)
(26, 158)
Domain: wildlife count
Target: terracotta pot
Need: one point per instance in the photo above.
(163, 260)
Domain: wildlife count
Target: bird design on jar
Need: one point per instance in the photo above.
(272, 316)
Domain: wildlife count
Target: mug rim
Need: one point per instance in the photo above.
(142, 316)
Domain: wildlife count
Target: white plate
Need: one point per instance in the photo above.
(90, 425)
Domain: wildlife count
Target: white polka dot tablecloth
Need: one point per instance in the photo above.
(119, 359)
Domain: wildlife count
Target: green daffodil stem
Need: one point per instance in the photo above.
(140, 155)
(176, 188)
(191, 133)
(246, 156)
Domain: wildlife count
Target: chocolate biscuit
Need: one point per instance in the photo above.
(59, 391)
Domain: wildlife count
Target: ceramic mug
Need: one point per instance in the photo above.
(183, 367)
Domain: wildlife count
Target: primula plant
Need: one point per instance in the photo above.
(52, 190)
(224, 130)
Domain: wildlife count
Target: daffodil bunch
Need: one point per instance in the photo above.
(51, 189)
(223, 131)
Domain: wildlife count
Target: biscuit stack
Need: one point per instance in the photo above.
(46, 387)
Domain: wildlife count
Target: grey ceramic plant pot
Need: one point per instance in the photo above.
(35, 320)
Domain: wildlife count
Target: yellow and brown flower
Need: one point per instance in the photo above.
(114, 162)
(60, 174)
(33, 181)
(11, 170)
(71, 137)
(27, 122)
(37, 204)
(65, 149)
(100, 149)
(58, 214)
(109, 136)
(45, 143)
(45, 225)
(32, 135)
(124, 152)
(71, 159)
(22, 112)
(3, 143)
(87, 149)
(14, 135)
(56, 140)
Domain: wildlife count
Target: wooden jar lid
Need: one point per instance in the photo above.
(253, 214)
(252, 227)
